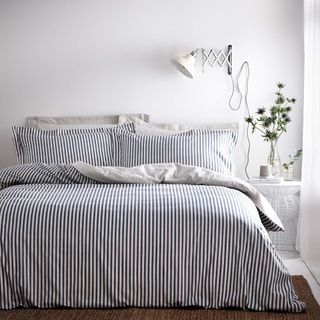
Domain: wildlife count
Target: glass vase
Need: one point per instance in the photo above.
(274, 159)
(288, 173)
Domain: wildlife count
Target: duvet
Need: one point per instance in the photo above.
(150, 236)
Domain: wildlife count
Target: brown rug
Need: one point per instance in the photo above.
(300, 284)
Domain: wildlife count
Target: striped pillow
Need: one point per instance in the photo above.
(212, 149)
(94, 146)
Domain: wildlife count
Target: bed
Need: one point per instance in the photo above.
(156, 229)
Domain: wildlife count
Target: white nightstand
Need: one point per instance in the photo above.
(285, 199)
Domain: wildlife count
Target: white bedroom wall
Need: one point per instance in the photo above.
(81, 57)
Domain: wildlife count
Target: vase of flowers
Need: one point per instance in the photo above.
(272, 122)
(274, 158)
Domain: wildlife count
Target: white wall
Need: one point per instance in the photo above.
(93, 56)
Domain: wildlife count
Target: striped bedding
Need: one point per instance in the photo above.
(212, 149)
(96, 146)
(67, 240)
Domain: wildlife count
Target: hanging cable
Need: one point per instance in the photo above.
(236, 86)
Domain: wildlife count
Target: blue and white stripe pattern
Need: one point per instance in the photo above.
(212, 149)
(80, 244)
(94, 146)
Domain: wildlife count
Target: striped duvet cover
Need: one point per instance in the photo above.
(69, 241)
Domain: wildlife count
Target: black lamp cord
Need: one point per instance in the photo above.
(235, 86)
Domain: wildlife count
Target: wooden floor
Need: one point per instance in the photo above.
(297, 267)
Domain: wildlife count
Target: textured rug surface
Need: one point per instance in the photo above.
(301, 285)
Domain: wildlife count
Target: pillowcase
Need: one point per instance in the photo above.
(94, 146)
(212, 149)
(128, 118)
(164, 129)
(83, 122)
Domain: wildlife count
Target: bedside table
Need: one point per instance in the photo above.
(285, 199)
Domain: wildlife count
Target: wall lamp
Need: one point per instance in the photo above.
(186, 63)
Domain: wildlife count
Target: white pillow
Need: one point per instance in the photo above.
(148, 129)
(81, 122)
(129, 118)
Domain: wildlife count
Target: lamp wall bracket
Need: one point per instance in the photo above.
(219, 58)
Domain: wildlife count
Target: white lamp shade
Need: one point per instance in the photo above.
(185, 64)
